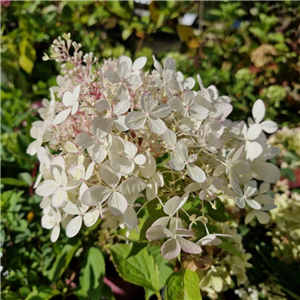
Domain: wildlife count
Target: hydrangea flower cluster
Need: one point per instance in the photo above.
(118, 133)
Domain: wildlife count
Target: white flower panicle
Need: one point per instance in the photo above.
(121, 137)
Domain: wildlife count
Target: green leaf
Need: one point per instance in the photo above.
(288, 173)
(183, 286)
(25, 63)
(62, 262)
(219, 214)
(175, 287)
(14, 181)
(229, 247)
(140, 269)
(165, 268)
(191, 286)
(126, 33)
(91, 279)
(257, 32)
(42, 293)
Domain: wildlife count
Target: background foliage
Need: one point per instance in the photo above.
(249, 50)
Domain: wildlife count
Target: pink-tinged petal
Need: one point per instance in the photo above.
(55, 234)
(74, 226)
(59, 197)
(196, 173)
(117, 204)
(95, 195)
(258, 110)
(170, 249)
(174, 204)
(135, 120)
(47, 188)
(156, 125)
(158, 232)
(188, 246)
(139, 63)
(269, 126)
(112, 76)
(60, 117)
(184, 232)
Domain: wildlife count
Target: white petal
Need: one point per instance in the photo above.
(70, 147)
(250, 217)
(250, 188)
(91, 217)
(68, 99)
(182, 150)
(102, 105)
(184, 232)
(112, 76)
(170, 249)
(241, 166)
(131, 188)
(130, 218)
(60, 117)
(74, 226)
(265, 171)
(149, 168)
(71, 208)
(47, 188)
(222, 110)
(157, 233)
(169, 64)
(253, 204)
(176, 104)
(157, 125)
(135, 120)
(125, 59)
(269, 126)
(108, 174)
(263, 217)
(254, 150)
(188, 246)
(151, 190)
(174, 204)
(75, 108)
(176, 164)
(196, 173)
(34, 147)
(161, 111)
(59, 197)
(253, 132)
(134, 81)
(258, 110)
(163, 221)
(240, 202)
(169, 138)
(55, 234)
(140, 159)
(121, 107)
(48, 222)
(89, 171)
(95, 195)
(117, 204)
(139, 63)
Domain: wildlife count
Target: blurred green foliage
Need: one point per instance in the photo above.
(249, 50)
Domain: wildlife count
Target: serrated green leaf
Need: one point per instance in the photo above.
(140, 269)
(191, 286)
(183, 285)
(165, 268)
(175, 287)
(91, 279)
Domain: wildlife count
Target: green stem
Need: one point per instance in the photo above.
(158, 295)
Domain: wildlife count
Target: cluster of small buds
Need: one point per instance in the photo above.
(109, 127)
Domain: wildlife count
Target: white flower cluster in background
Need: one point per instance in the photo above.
(110, 126)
